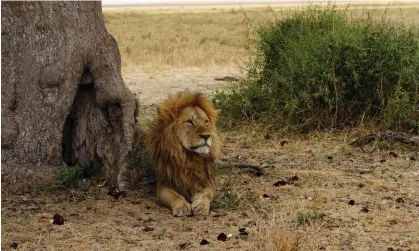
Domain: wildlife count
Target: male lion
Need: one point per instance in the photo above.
(183, 145)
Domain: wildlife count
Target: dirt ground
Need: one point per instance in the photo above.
(327, 172)
(154, 86)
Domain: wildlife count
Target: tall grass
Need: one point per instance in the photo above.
(175, 39)
(158, 39)
(319, 69)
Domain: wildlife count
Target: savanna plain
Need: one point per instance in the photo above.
(317, 192)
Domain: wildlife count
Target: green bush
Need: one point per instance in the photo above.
(317, 69)
(71, 176)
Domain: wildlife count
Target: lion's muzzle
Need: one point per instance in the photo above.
(204, 147)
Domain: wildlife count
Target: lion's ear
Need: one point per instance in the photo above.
(164, 114)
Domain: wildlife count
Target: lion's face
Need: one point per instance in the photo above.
(195, 130)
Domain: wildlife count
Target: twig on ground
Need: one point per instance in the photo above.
(258, 168)
(227, 79)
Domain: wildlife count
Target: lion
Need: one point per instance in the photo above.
(183, 145)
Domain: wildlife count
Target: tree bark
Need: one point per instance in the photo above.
(63, 97)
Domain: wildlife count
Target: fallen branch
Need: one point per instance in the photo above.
(227, 79)
(259, 169)
(387, 135)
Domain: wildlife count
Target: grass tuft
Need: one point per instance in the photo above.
(71, 177)
(308, 218)
(229, 198)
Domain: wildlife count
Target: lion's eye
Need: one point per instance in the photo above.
(189, 122)
(206, 122)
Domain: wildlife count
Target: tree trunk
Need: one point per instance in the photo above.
(63, 97)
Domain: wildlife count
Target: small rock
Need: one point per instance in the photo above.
(365, 209)
(222, 237)
(351, 202)
(399, 200)
(284, 143)
(14, 245)
(294, 180)
(57, 219)
(243, 233)
(204, 242)
(280, 183)
(148, 229)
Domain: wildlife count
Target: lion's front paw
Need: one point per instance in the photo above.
(201, 207)
(181, 208)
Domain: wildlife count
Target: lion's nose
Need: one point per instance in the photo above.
(205, 136)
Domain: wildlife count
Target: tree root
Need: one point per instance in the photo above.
(386, 135)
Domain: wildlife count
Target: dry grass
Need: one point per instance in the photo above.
(373, 180)
(188, 39)
(94, 222)
(203, 38)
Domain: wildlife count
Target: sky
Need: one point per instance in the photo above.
(163, 2)
(104, 2)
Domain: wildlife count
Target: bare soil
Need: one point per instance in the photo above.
(154, 86)
(329, 174)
